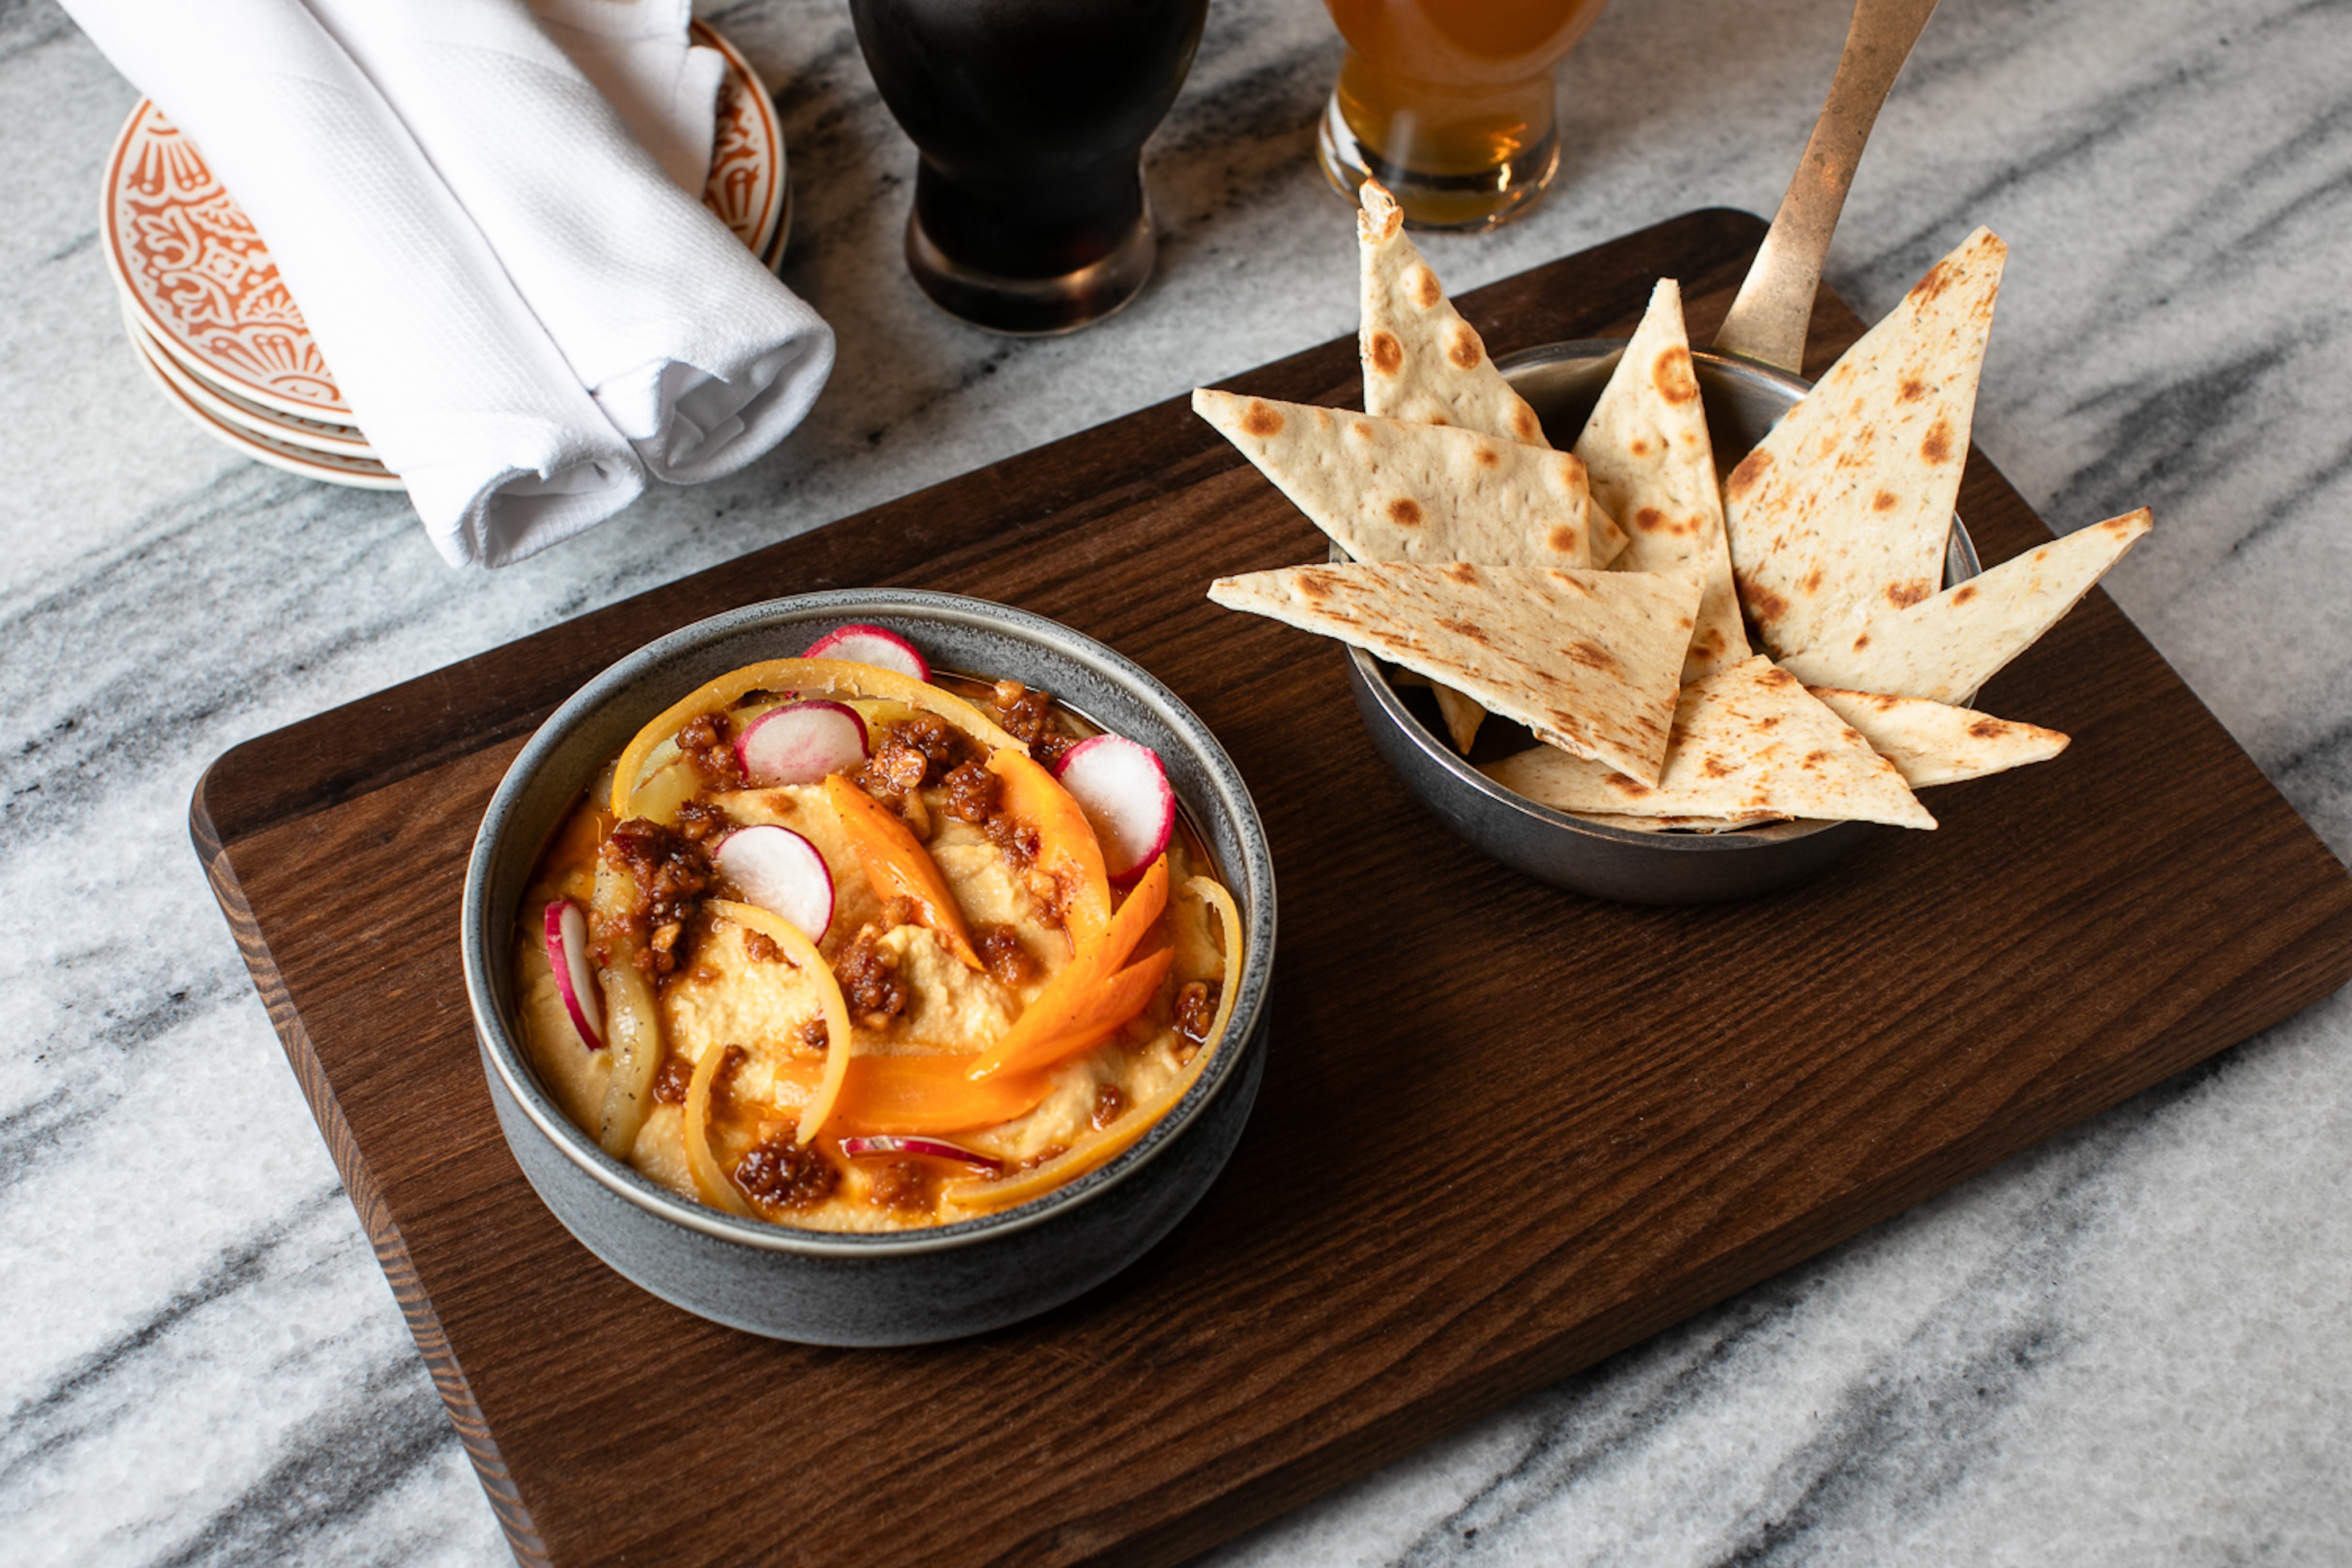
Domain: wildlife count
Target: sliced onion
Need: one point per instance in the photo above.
(936, 1148)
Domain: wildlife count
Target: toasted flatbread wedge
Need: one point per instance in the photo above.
(1609, 539)
(1422, 362)
(1588, 660)
(1842, 511)
(1947, 647)
(1389, 490)
(1746, 739)
(1650, 467)
(1935, 743)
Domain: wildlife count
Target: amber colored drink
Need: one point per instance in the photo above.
(1450, 104)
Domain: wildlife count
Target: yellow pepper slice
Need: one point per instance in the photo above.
(1068, 849)
(810, 678)
(983, 1194)
(806, 958)
(898, 865)
(710, 1179)
(1059, 1011)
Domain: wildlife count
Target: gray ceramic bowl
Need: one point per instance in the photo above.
(907, 1287)
(1562, 381)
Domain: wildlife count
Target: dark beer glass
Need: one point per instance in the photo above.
(1030, 116)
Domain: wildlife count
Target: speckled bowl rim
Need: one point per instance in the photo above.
(1231, 799)
(1961, 563)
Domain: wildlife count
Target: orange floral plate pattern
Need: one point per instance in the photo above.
(198, 279)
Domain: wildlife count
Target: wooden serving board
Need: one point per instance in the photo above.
(1505, 1130)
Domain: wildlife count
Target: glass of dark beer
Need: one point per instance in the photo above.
(1030, 116)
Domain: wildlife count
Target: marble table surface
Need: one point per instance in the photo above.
(2131, 1346)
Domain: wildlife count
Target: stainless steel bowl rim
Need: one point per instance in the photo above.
(506, 1059)
(1592, 352)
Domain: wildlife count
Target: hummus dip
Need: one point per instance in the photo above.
(740, 1045)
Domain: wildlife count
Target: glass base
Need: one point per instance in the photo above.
(1458, 204)
(1033, 307)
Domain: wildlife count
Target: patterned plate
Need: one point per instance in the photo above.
(202, 284)
(223, 404)
(335, 468)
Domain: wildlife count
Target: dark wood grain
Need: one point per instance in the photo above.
(1676, 1104)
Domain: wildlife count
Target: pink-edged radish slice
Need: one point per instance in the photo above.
(575, 982)
(782, 872)
(800, 743)
(1124, 792)
(936, 1148)
(876, 645)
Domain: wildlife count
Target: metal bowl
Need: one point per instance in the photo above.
(895, 1287)
(1562, 381)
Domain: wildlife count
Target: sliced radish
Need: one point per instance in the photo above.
(800, 743)
(938, 1149)
(876, 645)
(782, 874)
(575, 982)
(1124, 792)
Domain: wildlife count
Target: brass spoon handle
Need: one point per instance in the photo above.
(1775, 305)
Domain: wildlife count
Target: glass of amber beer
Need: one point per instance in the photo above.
(1030, 116)
(1449, 103)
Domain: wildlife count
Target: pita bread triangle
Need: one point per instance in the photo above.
(1422, 362)
(1588, 660)
(1745, 739)
(1842, 510)
(1947, 647)
(1389, 490)
(1651, 465)
(1934, 743)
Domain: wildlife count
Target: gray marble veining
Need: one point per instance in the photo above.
(2131, 1346)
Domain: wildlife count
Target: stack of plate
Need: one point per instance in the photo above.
(218, 333)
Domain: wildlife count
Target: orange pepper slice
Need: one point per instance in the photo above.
(1070, 997)
(982, 1194)
(920, 1094)
(1068, 849)
(898, 865)
(1099, 1014)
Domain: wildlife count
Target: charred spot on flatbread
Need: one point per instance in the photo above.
(1425, 292)
(1463, 347)
(1261, 419)
(1675, 380)
(1388, 354)
(1405, 512)
(1938, 445)
(1748, 474)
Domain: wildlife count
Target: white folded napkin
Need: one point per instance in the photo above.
(694, 350)
(452, 376)
(665, 88)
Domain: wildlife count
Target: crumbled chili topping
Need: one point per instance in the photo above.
(1108, 1103)
(973, 793)
(722, 1082)
(1000, 947)
(1196, 1012)
(674, 1078)
(1027, 715)
(869, 980)
(698, 821)
(812, 1036)
(669, 872)
(901, 1184)
(761, 947)
(910, 753)
(780, 1173)
(703, 743)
